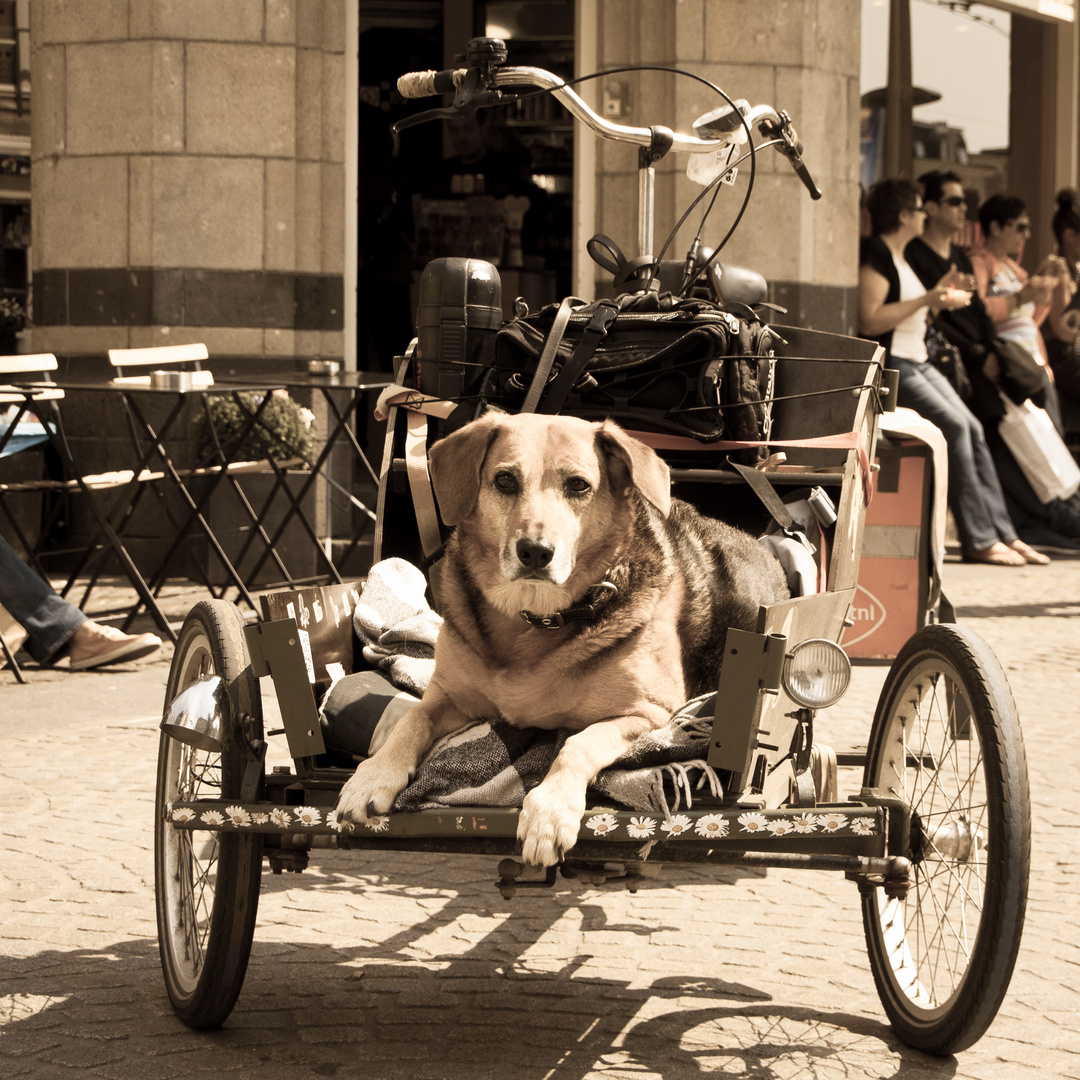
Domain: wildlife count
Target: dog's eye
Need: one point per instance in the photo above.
(506, 482)
(578, 485)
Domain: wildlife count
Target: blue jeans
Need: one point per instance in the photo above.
(974, 491)
(48, 619)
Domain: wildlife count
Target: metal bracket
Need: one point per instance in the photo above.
(276, 649)
(752, 666)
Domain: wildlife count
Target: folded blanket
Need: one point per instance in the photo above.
(492, 763)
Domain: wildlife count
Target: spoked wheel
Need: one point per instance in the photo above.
(946, 740)
(207, 883)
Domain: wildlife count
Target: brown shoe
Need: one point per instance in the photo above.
(95, 644)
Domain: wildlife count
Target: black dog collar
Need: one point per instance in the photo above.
(600, 595)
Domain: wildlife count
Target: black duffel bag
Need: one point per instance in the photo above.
(655, 363)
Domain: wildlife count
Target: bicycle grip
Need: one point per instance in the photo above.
(418, 84)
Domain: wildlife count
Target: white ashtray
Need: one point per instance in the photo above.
(323, 367)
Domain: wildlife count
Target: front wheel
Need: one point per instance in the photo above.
(946, 740)
(207, 883)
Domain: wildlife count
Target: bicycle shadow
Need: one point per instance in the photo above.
(457, 990)
(90, 1009)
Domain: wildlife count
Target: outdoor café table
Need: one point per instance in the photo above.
(153, 445)
(344, 392)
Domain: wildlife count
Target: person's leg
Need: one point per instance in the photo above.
(974, 492)
(49, 620)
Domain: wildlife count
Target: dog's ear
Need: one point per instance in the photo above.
(633, 464)
(455, 466)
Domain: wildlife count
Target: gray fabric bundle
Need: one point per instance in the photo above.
(396, 625)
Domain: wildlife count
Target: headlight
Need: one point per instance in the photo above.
(816, 673)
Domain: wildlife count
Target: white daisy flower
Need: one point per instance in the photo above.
(753, 822)
(831, 822)
(680, 823)
(712, 826)
(183, 813)
(641, 827)
(259, 818)
(862, 826)
(212, 817)
(378, 824)
(804, 823)
(308, 815)
(335, 822)
(238, 816)
(780, 827)
(601, 824)
(280, 818)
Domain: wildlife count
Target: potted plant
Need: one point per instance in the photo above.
(284, 434)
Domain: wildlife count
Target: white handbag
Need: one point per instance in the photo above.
(1039, 450)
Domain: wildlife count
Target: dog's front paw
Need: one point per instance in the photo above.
(548, 824)
(370, 791)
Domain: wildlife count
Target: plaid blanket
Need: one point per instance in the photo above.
(492, 763)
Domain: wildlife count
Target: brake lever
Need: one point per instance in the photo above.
(791, 148)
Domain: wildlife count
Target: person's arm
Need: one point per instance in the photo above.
(997, 307)
(877, 317)
(1056, 267)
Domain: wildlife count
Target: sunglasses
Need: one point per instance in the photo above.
(954, 200)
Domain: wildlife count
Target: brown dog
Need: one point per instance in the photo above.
(576, 594)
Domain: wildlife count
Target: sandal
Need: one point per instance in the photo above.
(997, 554)
(1037, 558)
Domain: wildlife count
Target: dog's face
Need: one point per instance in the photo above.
(543, 501)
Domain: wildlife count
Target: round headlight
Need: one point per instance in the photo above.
(816, 673)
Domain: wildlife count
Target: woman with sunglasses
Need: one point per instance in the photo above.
(893, 309)
(1017, 303)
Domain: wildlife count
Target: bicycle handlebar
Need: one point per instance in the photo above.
(480, 84)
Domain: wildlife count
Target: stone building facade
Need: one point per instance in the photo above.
(188, 175)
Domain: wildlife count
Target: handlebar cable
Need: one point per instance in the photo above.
(715, 185)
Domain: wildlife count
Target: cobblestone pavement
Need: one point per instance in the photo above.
(412, 966)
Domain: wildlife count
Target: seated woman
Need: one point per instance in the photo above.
(893, 309)
(1061, 331)
(1017, 302)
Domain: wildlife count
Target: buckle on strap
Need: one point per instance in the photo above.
(601, 594)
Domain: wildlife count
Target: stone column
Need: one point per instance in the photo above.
(188, 175)
(798, 55)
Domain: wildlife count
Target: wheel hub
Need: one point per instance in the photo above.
(957, 839)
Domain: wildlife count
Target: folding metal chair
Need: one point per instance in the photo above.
(12, 635)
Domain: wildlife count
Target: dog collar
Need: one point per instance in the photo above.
(587, 609)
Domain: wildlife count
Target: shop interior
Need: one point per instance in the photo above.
(494, 186)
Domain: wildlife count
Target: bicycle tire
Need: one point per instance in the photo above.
(206, 883)
(946, 738)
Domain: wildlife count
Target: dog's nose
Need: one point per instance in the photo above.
(534, 554)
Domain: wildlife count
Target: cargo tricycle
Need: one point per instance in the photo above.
(935, 838)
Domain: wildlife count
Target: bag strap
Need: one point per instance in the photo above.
(845, 440)
(571, 371)
(766, 493)
(547, 357)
